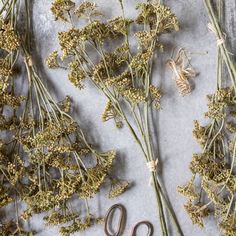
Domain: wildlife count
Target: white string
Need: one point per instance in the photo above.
(152, 165)
(212, 29)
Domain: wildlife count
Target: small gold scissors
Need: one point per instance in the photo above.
(122, 222)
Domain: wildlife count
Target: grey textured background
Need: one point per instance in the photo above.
(174, 122)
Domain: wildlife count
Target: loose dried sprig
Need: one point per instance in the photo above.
(124, 77)
(214, 168)
(118, 187)
(183, 72)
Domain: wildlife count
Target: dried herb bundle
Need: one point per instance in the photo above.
(48, 161)
(214, 167)
(123, 75)
(11, 165)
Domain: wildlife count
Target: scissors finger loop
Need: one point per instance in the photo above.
(147, 223)
(121, 222)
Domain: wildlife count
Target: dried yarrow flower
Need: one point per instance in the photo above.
(8, 38)
(120, 82)
(155, 93)
(145, 38)
(5, 68)
(141, 61)
(5, 198)
(77, 226)
(204, 164)
(61, 8)
(134, 95)
(200, 133)
(66, 104)
(13, 228)
(95, 31)
(11, 100)
(68, 41)
(52, 60)
(188, 190)
(87, 10)
(122, 54)
(215, 110)
(211, 189)
(228, 226)
(119, 25)
(196, 212)
(76, 75)
(111, 113)
(225, 95)
(118, 187)
(155, 13)
(41, 201)
(99, 72)
(231, 127)
(57, 218)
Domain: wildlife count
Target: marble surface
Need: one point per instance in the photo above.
(174, 121)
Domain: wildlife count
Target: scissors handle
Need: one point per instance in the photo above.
(147, 223)
(121, 222)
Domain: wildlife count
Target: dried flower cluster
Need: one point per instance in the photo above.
(11, 165)
(123, 75)
(214, 168)
(45, 160)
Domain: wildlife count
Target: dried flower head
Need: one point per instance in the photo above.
(118, 187)
(111, 113)
(8, 38)
(5, 68)
(52, 60)
(141, 60)
(196, 212)
(87, 10)
(76, 226)
(135, 95)
(68, 41)
(157, 14)
(200, 133)
(76, 75)
(119, 25)
(155, 96)
(5, 198)
(188, 190)
(57, 218)
(61, 8)
(145, 38)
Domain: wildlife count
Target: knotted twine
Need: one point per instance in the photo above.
(152, 166)
(212, 29)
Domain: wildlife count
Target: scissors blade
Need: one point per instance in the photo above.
(109, 219)
(147, 223)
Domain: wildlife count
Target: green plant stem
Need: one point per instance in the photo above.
(225, 54)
